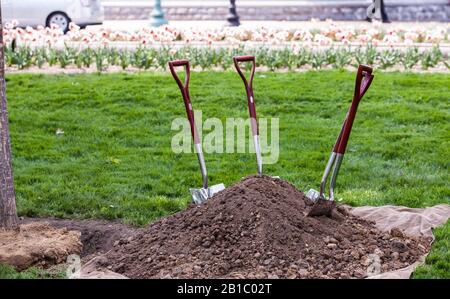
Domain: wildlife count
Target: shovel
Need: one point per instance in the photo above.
(251, 104)
(202, 194)
(322, 205)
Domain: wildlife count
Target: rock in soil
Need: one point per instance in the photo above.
(258, 228)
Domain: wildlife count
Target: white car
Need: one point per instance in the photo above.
(47, 12)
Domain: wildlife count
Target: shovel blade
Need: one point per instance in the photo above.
(322, 207)
(199, 196)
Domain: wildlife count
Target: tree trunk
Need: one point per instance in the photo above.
(8, 212)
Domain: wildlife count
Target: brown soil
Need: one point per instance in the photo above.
(37, 244)
(258, 228)
(97, 236)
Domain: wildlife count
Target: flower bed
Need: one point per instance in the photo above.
(332, 46)
(374, 34)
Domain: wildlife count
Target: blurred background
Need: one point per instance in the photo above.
(94, 12)
(287, 10)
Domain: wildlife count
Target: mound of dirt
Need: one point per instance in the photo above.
(258, 228)
(37, 244)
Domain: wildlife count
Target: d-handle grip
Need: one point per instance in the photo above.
(237, 60)
(176, 63)
(244, 58)
(364, 78)
(248, 87)
(185, 93)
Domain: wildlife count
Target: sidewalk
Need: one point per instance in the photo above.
(125, 25)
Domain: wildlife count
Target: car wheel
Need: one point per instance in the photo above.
(60, 19)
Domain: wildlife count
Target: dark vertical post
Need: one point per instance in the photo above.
(232, 17)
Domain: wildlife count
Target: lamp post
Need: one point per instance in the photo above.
(232, 17)
(157, 15)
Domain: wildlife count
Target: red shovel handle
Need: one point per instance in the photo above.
(184, 88)
(248, 87)
(185, 63)
(338, 140)
(244, 58)
(363, 81)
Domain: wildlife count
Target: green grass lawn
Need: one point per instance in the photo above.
(7, 272)
(114, 159)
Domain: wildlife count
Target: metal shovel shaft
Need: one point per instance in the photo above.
(326, 173)
(201, 161)
(258, 153)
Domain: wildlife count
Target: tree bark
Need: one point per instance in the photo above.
(8, 212)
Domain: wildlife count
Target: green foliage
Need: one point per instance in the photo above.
(343, 58)
(87, 57)
(22, 57)
(319, 58)
(389, 58)
(124, 59)
(52, 56)
(431, 58)
(366, 55)
(411, 58)
(207, 58)
(143, 58)
(7, 272)
(438, 261)
(65, 57)
(301, 59)
(112, 56)
(100, 56)
(41, 57)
